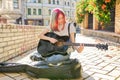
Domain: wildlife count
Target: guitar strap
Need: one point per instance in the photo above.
(72, 49)
(69, 30)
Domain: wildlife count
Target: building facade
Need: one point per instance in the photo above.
(10, 10)
(37, 12)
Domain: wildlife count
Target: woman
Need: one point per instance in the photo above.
(59, 26)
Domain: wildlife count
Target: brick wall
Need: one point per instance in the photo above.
(117, 17)
(17, 39)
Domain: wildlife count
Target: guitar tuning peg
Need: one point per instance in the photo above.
(106, 46)
(102, 46)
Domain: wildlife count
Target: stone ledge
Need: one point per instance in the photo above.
(102, 34)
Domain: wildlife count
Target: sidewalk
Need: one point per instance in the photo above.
(97, 64)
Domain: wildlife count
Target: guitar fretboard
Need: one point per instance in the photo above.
(78, 44)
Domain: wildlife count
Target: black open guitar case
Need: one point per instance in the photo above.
(69, 69)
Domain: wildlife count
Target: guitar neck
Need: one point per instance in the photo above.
(78, 44)
(99, 46)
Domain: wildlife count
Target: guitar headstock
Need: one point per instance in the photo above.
(102, 46)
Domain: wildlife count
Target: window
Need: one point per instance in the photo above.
(49, 11)
(39, 1)
(68, 3)
(65, 2)
(39, 12)
(34, 11)
(53, 1)
(29, 11)
(16, 4)
(49, 1)
(58, 2)
(68, 13)
(33, 1)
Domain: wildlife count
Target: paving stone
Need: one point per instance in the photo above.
(115, 58)
(83, 64)
(118, 60)
(103, 64)
(118, 68)
(92, 78)
(108, 67)
(20, 77)
(94, 59)
(115, 73)
(98, 61)
(116, 63)
(94, 67)
(25, 74)
(6, 78)
(106, 77)
(88, 62)
(12, 74)
(85, 68)
(98, 71)
(118, 78)
(26, 79)
(1, 75)
(85, 75)
(89, 54)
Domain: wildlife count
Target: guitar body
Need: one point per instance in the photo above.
(45, 48)
(70, 69)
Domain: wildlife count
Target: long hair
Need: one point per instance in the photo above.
(54, 18)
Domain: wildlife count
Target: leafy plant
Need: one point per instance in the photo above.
(99, 8)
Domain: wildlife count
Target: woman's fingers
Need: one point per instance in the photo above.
(80, 48)
(52, 40)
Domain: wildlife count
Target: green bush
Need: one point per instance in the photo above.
(99, 8)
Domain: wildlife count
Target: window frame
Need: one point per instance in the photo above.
(29, 11)
(34, 11)
(39, 11)
(16, 4)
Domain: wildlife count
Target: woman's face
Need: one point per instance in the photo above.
(60, 19)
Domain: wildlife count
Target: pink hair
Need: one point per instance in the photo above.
(54, 19)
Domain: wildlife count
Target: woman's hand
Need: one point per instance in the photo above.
(52, 40)
(80, 48)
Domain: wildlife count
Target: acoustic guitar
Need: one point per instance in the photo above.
(46, 48)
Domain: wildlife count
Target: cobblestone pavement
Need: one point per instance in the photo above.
(97, 64)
